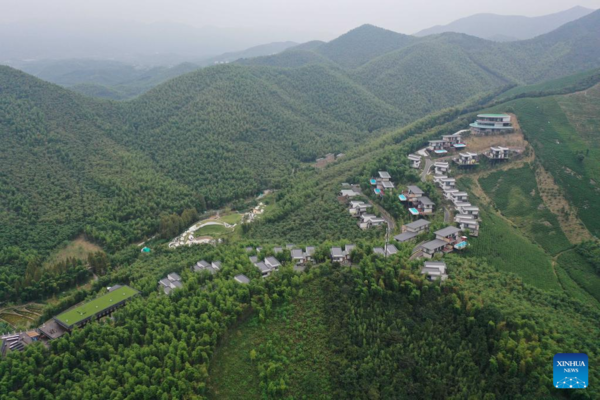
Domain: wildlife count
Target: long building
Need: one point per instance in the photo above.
(492, 124)
(99, 307)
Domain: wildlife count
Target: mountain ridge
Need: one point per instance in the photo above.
(508, 27)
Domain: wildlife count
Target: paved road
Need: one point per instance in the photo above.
(428, 164)
(447, 215)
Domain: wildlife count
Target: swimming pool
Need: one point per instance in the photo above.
(377, 191)
(440, 151)
(413, 211)
(402, 197)
(461, 245)
(373, 181)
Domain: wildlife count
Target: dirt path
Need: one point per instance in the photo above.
(553, 198)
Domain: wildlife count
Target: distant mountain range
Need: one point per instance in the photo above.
(227, 131)
(165, 44)
(119, 80)
(506, 28)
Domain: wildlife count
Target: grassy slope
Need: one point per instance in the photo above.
(516, 194)
(297, 332)
(557, 142)
(581, 272)
(507, 249)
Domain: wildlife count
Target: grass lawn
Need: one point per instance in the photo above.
(212, 230)
(516, 194)
(232, 218)
(294, 339)
(78, 314)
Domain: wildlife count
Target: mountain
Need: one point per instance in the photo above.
(160, 43)
(363, 44)
(506, 28)
(256, 51)
(203, 134)
(117, 80)
(103, 78)
(226, 132)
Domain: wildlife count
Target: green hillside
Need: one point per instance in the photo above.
(379, 330)
(363, 44)
(563, 132)
(120, 172)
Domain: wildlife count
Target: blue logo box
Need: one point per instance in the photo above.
(571, 371)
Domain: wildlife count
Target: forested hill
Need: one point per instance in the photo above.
(71, 164)
(61, 172)
(508, 27)
(571, 48)
(220, 134)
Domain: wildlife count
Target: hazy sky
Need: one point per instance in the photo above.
(323, 19)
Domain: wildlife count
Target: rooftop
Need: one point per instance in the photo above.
(337, 252)
(262, 267)
(348, 193)
(273, 261)
(447, 231)
(493, 116)
(406, 236)
(241, 278)
(415, 189)
(384, 175)
(426, 201)
(435, 264)
(297, 253)
(391, 249)
(418, 224)
(434, 244)
(77, 314)
(414, 157)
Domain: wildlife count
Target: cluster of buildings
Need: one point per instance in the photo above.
(170, 283)
(342, 255)
(448, 142)
(381, 183)
(359, 210)
(467, 215)
(418, 203)
(267, 266)
(446, 240)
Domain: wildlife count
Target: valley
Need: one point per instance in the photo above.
(142, 255)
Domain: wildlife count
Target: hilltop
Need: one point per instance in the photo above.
(507, 28)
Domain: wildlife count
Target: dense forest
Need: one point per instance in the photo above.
(389, 329)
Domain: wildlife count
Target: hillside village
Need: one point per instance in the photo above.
(438, 162)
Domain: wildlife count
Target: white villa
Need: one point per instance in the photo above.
(415, 160)
(435, 270)
(491, 124)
